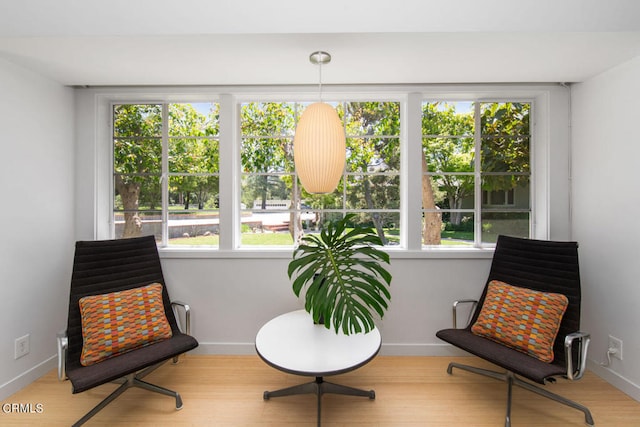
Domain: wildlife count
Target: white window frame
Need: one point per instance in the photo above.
(544, 128)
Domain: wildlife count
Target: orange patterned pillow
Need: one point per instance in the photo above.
(521, 318)
(122, 321)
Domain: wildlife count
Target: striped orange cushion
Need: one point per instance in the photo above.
(521, 318)
(119, 322)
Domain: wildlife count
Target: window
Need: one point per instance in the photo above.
(276, 210)
(165, 172)
(427, 174)
(475, 151)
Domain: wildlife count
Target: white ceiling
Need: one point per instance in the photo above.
(202, 42)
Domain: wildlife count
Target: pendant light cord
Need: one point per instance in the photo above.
(320, 81)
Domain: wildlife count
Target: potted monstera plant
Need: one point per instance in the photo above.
(344, 274)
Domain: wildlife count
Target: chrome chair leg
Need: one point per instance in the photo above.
(507, 418)
(132, 380)
(511, 379)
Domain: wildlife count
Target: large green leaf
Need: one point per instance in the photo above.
(344, 276)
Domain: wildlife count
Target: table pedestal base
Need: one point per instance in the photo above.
(319, 387)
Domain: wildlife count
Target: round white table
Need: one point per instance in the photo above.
(292, 343)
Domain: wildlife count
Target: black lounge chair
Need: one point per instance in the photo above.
(104, 267)
(545, 266)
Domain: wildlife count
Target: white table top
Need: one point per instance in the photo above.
(292, 343)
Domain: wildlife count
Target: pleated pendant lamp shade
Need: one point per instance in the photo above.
(319, 148)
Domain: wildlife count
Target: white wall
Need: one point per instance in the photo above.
(606, 203)
(232, 298)
(37, 213)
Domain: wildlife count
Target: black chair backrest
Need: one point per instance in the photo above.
(105, 266)
(547, 266)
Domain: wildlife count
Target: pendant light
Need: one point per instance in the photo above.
(319, 146)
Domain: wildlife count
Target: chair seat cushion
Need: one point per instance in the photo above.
(523, 319)
(505, 357)
(118, 322)
(85, 377)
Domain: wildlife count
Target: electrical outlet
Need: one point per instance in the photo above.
(22, 346)
(615, 347)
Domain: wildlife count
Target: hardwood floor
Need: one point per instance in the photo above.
(410, 391)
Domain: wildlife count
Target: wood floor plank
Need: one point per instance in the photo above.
(220, 390)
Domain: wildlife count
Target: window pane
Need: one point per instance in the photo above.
(269, 227)
(139, 223)
(137, 120)
(458, 229)
(504, 190)
(272, 119)
(449, 154)
(505, 154)
(193, 155)
(137, 164)
(188, 192)
(505, 137)
(195, 119)
(505, 118)
(137, 155)
(451, 191)
(448, 164)
(333, 200)
(373, 192)
(266, 192)
(372, 118)
(264, 237)
(373, 154)
(447, 118)
(137, 192)
(194, 227)
(267, 155)
(509, 223)
(385, 224)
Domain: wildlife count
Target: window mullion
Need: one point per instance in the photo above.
(229, 168)
(411, 172)
(477, 137)
(165, 171)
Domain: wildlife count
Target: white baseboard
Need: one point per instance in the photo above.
(232, 348)
(615, 379)
(27, 377)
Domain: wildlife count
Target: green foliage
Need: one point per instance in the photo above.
(344, 276)
(505, 144)
(267, 144)
(137, 145)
